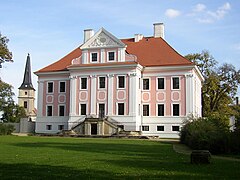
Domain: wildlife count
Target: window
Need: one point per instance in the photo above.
(175, 83)
(61, 110)
(83, 83)
(176, 110)
(83, 109)
(60, 127)
(49, 110)
(62, 87)
(121, 126)
(175, 128)
(145, 84)
(145, 110)
(101, 82)
(160, 83)
(160, 109)
(120, 108)
(121, 81)
(50, 87)
(25, 93)
(94, 57)
(25, 104)
(111, 56)
(145, 128)
(160, 128)
(49, 127)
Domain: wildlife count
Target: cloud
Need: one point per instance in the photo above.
(199, 8)
(202, 15)
(172, 13)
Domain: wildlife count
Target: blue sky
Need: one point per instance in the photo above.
(49, 29)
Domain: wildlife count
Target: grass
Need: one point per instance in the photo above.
(79, 158)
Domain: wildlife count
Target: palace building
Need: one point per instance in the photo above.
(107, 85)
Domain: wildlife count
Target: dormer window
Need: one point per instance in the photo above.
(111, 56)
(94, 57)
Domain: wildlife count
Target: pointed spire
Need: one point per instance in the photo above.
(27, 80)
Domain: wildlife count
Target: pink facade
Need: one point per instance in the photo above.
(137, 91)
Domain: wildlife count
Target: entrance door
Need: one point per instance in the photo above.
(101, 110)
(94, 129)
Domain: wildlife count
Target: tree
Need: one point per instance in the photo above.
(5, 94)
(13, 113)
(220, 85)
(5, 54)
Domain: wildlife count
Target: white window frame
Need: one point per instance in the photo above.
(164, 109)
(145, 126)
(179, 77)
(48, 86)
(97, 57)
(179, 109)
(125, 81)
(124, 105)
(49, 125)
(176, 131)
(47, 110)
(64, 109)
(81, 108)
(115, 56)
(160, 125)
(164, 84)
(149, 109)
(149, 84)
(99, 82)
(80, 84)
(60, 86)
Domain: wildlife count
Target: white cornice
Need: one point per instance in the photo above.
(117, 66)
(168, 68)
(52, 73)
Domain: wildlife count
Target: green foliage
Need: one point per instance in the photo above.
(13, 113)
(5, 54)
(210, 133)
(220, 85)
(6, 129)
(5, 94)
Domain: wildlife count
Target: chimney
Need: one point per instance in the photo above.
(137, 37)
(88, 33)
(158, 30)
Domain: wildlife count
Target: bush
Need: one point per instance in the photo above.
(6, 129)
(206, 134)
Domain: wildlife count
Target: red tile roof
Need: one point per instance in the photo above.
(150, 51)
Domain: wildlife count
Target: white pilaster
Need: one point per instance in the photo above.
(40, 99)
(110, 94)
(103, 56)
(84, 56)
(133, 91)
(73, 86)
(189, 94)
(93, 95)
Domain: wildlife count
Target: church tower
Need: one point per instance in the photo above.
(26, 93)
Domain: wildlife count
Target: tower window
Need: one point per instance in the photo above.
(83, 109)
(120, 108)
(25, 92)
(83, 83)
(25, 104)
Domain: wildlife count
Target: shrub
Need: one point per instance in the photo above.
(6, 129)
(206, 133)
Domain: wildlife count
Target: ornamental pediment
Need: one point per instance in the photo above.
(102, 39)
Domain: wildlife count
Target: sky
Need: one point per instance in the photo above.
(50, 29)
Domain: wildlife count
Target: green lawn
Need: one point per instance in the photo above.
(79, 158)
